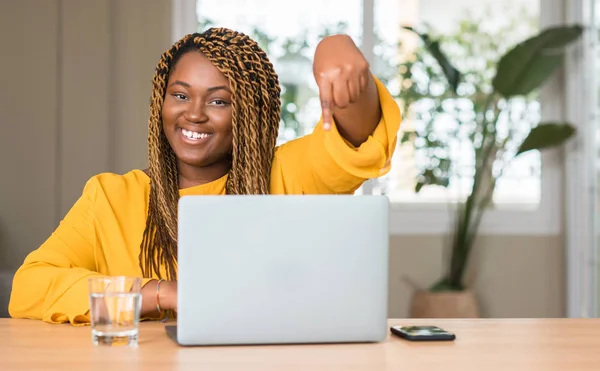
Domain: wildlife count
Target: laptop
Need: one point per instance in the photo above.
(271, 269)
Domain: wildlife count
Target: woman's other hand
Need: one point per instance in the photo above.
(164, 295)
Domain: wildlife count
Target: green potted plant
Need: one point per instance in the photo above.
(479, 106)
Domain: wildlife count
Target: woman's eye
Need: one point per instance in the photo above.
(219, 102)
(179, 96)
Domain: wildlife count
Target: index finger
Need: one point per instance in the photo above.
(326, 96)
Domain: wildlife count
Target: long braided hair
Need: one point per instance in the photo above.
(256, 109)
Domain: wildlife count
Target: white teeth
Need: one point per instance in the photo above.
(194, 135)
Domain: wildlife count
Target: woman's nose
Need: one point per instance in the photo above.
(195, 112)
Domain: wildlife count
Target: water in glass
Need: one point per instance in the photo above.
(115, 305)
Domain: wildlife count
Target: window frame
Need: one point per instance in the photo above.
(435, 218)
(581, 196)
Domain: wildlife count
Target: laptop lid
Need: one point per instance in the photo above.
(282, 269)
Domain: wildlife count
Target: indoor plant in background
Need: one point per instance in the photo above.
(491, 106)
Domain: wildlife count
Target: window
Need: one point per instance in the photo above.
(474, 34)
(528, 198)
(289, 33)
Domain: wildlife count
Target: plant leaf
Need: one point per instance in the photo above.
(428, 177)
(418, 186)
(525, 67)
(546, 135)
(408, 136)
(452, 74)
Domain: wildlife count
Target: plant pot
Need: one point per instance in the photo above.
(446, 304)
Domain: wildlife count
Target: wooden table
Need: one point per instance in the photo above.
(482, 345)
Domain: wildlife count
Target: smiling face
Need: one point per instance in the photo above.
(197, 115)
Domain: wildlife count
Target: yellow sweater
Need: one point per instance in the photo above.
(102, 232)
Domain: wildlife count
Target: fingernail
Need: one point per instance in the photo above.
(326, 126)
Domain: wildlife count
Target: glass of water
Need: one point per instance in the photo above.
(115, 305)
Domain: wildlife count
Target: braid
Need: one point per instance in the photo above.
(256, 110)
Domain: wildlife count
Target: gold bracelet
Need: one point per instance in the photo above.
(158, 301)
(158, 296)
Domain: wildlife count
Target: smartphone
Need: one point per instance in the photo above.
(422, 333)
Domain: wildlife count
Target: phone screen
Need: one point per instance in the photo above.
(424, 330)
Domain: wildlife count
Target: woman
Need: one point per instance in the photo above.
(214, 117)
